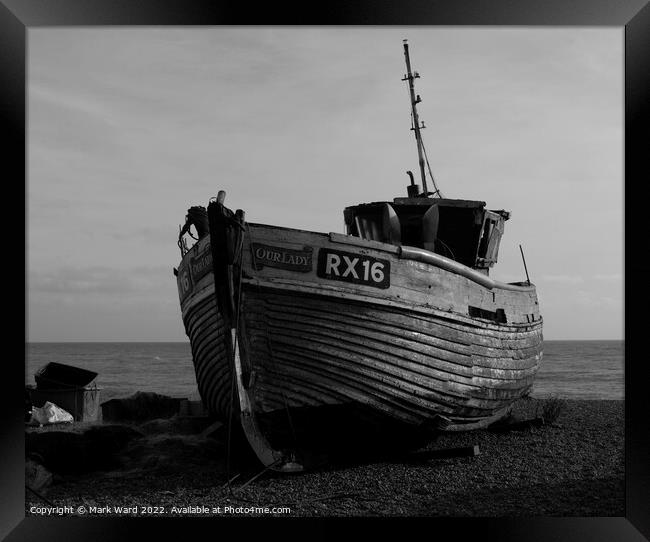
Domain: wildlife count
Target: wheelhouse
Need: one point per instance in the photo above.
(462, 230)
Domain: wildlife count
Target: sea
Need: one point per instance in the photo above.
(569, 369)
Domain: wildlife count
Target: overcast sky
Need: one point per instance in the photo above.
(128, 127)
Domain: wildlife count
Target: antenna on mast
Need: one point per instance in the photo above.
(410, 77)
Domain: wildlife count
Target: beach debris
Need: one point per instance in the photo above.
(59, 375)
(179, 425)
(50, 413)
(94, 448)
(212, 429)
(37, 477)
(71, 388)
(139, 407)
(171, 453)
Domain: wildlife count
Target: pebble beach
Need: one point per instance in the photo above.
(573, 466)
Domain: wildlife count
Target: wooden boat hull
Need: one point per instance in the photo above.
(320, 322)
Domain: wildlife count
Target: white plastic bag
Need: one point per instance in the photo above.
(50, 413)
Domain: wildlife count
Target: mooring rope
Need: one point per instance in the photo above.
(437, 190)
(265, 469)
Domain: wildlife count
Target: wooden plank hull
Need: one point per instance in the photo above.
(205, 328)
(421, 346)
(308, 351)
(338, 344)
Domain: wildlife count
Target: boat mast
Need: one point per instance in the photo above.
(410, 77)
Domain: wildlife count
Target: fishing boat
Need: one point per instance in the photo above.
(395, 325)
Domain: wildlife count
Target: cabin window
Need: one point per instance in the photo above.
(368, 227)
(488, 229)
(488, 249)
(375, 223)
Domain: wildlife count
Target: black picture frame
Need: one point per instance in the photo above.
(17, 16)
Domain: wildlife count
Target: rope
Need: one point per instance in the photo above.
(230, 481)
(437, 190)
(182, 244)
(447, 247)
(250, 481)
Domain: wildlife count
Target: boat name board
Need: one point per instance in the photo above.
(284, 258)
(354, 268)
(201, 264)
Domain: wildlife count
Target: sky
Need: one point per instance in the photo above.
(129, 127)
